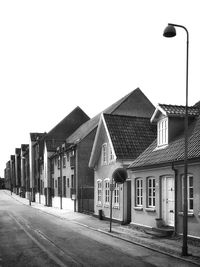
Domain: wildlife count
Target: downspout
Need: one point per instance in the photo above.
(176, 197)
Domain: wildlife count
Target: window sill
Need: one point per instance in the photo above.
(190, 214)
(99, 205)
(106, 206)
(138, 208)
(150, 209)
(116, 207)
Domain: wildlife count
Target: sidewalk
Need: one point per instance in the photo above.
(171, 246)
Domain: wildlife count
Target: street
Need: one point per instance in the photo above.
(30, 237)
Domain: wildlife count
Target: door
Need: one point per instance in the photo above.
(168, 200)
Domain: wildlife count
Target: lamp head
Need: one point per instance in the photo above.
(169, 31)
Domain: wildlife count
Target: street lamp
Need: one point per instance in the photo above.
(170, 31)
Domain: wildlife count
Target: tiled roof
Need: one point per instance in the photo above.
(132, 104)
(174, 151)
(175, 110)
(130, 135)
(84, 130)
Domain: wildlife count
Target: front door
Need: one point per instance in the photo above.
(168, 200)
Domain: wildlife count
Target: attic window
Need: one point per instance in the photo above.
(162, 130)
(104, 154)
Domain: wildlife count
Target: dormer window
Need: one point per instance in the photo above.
(162, 128)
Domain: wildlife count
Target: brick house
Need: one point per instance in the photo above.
(157, 174)
(55, 138)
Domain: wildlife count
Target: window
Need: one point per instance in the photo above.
(151, 192)
(111, 155)
(64, 186)
(162, 132)
(64, 160)
(107, 191)
(52, 166)
(104, 154)
(67, 182)
(99, 192)
(58, 162)
(116, 195)
(190, 192)
(56, 184)
(138, 192)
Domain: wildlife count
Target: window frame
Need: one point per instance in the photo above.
(104, 154)
(139, 192)
(188, 192)
(107, 191)
(151, 198)
(99, 192)
(116, 197)
(162, 132)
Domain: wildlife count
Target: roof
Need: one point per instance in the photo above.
(133, 104)
(174, 152)
(52, 144)
(129, 135)
(173, 111)
(179, 110)
(68, 125)
(83, 130)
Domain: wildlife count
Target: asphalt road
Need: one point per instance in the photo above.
(30, 237)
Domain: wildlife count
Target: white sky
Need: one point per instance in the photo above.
(56, 55)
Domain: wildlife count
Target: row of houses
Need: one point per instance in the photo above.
(71, 166)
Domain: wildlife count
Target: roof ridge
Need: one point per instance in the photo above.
(129, 116)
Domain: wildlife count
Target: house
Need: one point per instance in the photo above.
(13, 173)
(157, 174)
(119, 140)
(18, 170)
(7, 176)
(24, 189)
(77, 149)
(36, 149)
(55, 138)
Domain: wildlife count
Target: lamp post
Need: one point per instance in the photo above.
(170, 31)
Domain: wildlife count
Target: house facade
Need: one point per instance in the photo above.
(24, 149)
(119, 140)
(53, 140)
(157, 174)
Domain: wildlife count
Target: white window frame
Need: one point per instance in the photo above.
(64, 160)
(138, 192)
(111, 154)
(190, 189)
(104, 154)
(162, 132)
(151, 192)
(107, 191)
(116, 195)
(99, 192)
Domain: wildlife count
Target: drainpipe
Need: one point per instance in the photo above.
(61, 178)
(176, 197)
